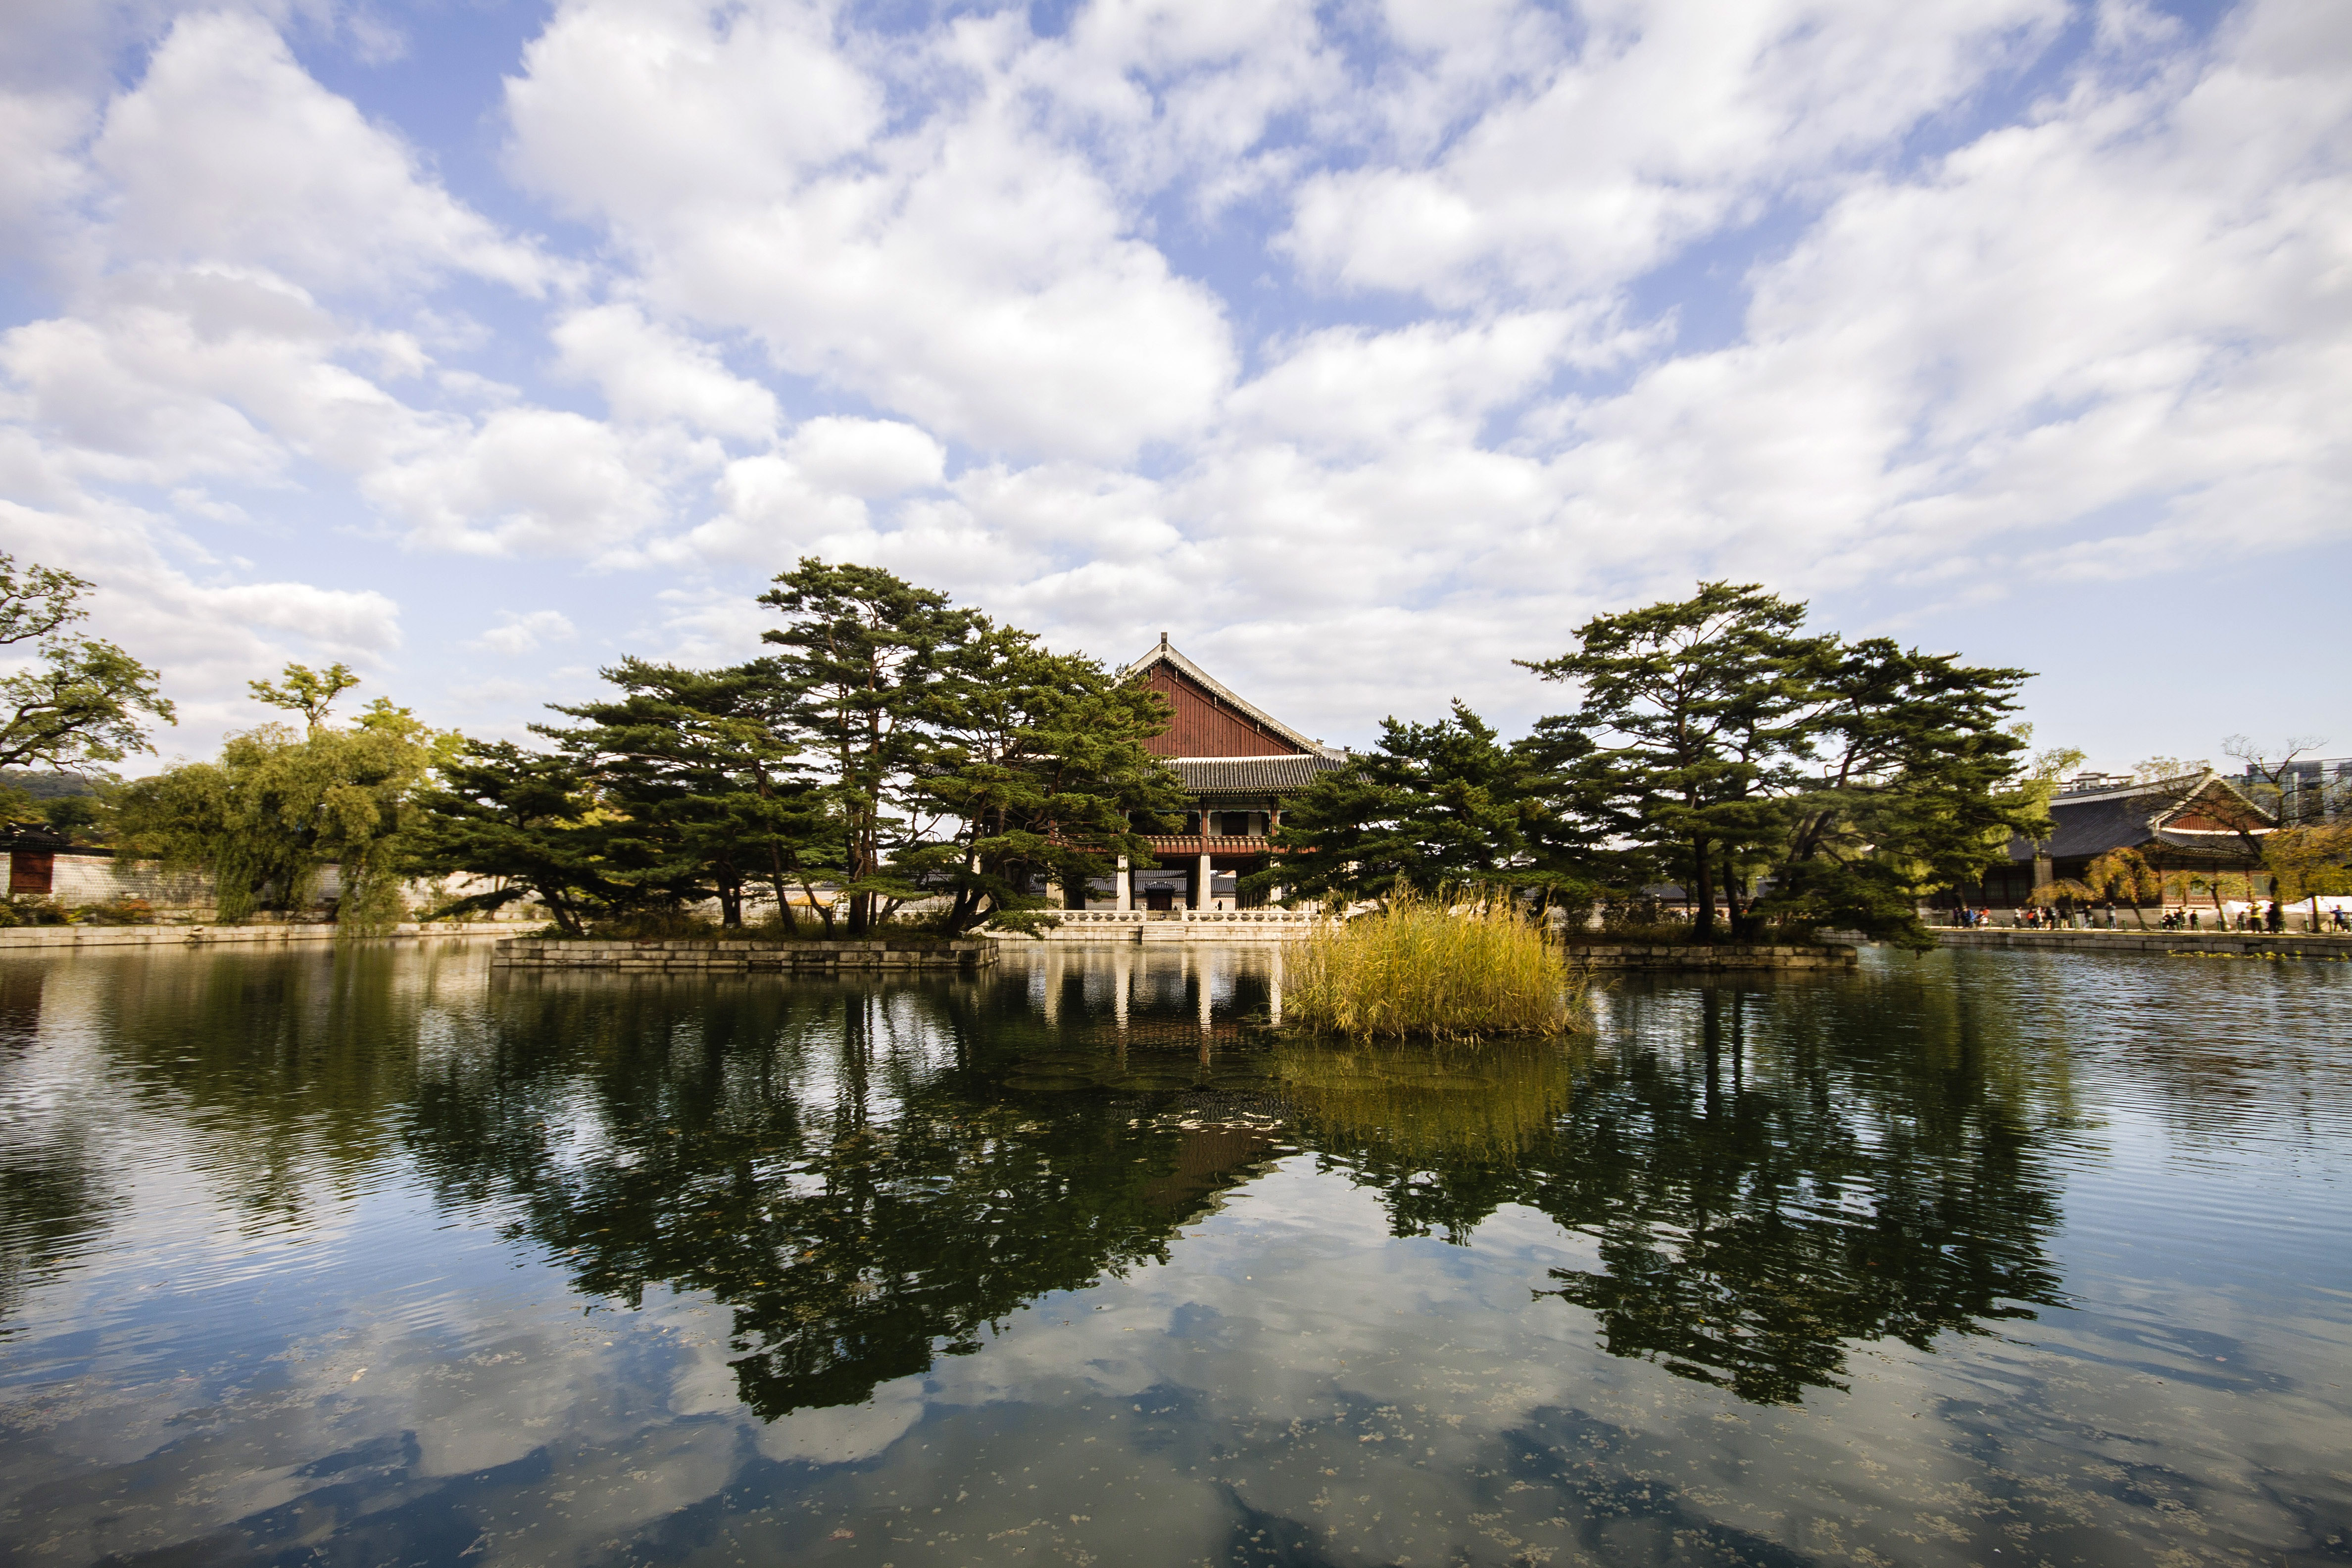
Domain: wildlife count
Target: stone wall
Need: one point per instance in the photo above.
(2291, 945)
(1715, 956)
(38, 937)
(526, 954)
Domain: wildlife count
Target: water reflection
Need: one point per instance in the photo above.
(870, 1177)
(1356, 1304)
(866, 1178)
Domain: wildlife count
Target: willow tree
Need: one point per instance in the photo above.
(278, 807)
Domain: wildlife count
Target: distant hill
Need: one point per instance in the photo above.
(43, 785)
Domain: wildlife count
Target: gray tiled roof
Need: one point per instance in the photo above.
(2127, 818)
(1251, 776)
(2094, 826)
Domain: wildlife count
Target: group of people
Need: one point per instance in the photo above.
(2269, 918)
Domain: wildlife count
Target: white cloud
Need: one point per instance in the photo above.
(1664, 123)
(1361, 362)
(527, 481)
(968, 271)
(357, 621)
(650, 374)
(869, 457)
(520, 634)
(228, 151)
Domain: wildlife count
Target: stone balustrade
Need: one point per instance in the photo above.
(1177, 925)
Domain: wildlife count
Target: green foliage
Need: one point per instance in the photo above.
(1433, 806)
(865, 657)
(1425, 969)
(694, 769)
(277, 808)
(77, 816)
(2123, 876)
(1859, 775)
(895, 748)
(1039, 766)
(2310, 861)
(81, 700)
(307, 692)
(526, 821)
(1699, 707)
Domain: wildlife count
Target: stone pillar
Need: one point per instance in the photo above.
(1054, 897)
(1201, 888)
(1121, 887)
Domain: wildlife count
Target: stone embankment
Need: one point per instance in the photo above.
(2252, 944)
(744, 957)
(19, 938)
(1727, 955)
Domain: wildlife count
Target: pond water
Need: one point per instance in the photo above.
(381, 1257)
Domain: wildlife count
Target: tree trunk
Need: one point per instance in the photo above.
(788, 923)
(1703, 925)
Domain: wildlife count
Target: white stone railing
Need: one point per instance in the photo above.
(1302, 919)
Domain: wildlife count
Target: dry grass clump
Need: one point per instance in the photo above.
(1470, 968)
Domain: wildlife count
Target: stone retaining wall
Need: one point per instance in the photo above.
(745, 957)
(2290, 945)
(34, 937)
(1715, 955)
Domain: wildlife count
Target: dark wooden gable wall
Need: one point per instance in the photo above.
(1205, 727)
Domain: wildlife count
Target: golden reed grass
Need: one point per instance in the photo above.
(1462, 967)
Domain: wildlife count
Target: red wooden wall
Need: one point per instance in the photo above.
(1205, 727)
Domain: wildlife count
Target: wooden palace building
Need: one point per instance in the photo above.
(1237, 763)
(2200, 823)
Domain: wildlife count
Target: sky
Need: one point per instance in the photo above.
(1362, 347)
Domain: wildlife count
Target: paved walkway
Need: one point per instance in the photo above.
(2292, 944)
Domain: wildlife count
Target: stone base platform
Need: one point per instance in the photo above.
(1714, 956)
(2253, 944)
(746, 957)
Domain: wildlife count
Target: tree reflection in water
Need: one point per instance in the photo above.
(870, 1175)
(1757, 1210)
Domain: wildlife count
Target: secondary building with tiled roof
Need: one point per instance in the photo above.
(2198, 822)
(1237, 763)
